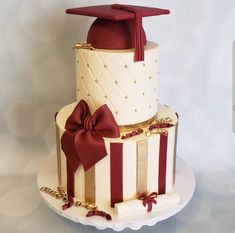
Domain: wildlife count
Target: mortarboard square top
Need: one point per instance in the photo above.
(121, 25)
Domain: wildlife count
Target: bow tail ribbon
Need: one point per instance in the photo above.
(72, 160)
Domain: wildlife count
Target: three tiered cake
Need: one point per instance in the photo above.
(116, 143)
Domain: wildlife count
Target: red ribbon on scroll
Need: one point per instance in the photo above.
(148, 200)
(83, 142)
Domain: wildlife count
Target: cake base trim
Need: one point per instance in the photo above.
(184, 186)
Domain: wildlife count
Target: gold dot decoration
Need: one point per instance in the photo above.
(77, 61)
(134, 81)
(143, 93)
(88, 65)
(150, 106)
(116, 112)
(150, 77)
(105, 66)
(88, 94)
(116, 82)
(155, 60)
(143, 64)
(105, 96)
(96, 80)
(136, 110)
(126, 66)
(156, 131)
(126, 97)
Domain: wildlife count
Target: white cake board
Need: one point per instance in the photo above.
(184, 185)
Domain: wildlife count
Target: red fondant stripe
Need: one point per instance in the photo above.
(116, 176)
(162, 164)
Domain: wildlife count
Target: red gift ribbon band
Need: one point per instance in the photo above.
(148, 200)
(116, 172)
(162, 164)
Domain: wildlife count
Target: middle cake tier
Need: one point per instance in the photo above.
(112, 77)
(139, 164)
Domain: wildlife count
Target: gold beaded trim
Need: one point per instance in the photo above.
(163, 131)
(153, 120)
(162, 120)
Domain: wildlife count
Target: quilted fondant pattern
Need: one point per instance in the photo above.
(112, 77)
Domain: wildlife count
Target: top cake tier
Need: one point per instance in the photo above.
(112, 77)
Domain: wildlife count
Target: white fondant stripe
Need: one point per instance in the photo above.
(129, 170)
(102, 180)
(153, 161)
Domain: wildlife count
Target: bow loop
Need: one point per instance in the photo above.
(104, 123)
(76, 120)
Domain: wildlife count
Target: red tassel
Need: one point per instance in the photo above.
(139, 40)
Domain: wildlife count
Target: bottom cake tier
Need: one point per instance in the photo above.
(140, 161)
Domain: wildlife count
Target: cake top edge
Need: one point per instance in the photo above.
(150, 45)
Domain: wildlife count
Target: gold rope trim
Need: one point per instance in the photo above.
(83, 46)
(61, 194)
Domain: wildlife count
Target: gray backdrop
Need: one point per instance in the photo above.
(38, 78)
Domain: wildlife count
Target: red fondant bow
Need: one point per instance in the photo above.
(83, 142)
(149, 200)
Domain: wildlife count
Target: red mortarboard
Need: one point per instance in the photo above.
(118, 26)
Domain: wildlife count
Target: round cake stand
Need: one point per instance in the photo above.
(184, 186)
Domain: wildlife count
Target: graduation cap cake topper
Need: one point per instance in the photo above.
(118, 26)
